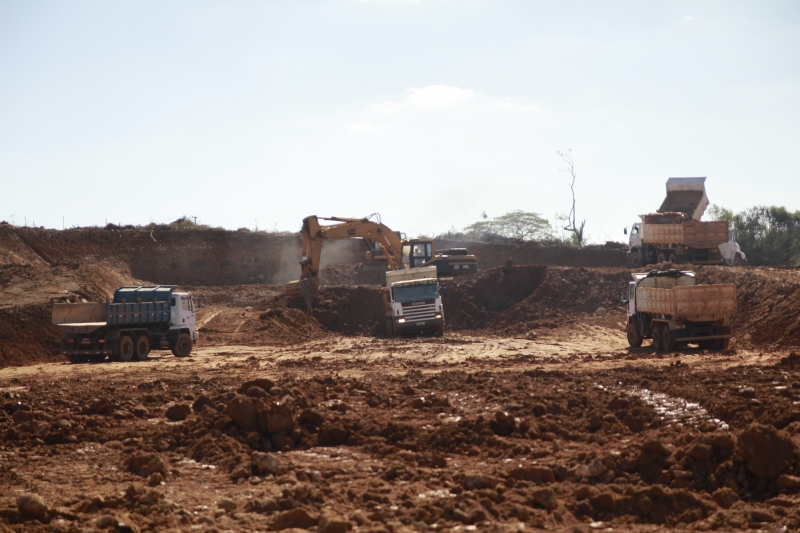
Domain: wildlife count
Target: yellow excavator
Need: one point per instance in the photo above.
(384, 244)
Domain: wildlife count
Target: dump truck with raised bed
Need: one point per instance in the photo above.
(670, 307)
(138, 320)
(675, 232)
(413, 302)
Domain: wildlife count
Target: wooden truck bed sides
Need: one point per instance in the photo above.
(692, 234)
(700, 303)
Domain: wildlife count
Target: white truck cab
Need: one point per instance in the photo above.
(182, 314)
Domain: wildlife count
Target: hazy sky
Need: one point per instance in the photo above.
(428, 112)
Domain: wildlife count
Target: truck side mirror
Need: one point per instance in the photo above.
(625, 230)
(622, 298)
(389, 295)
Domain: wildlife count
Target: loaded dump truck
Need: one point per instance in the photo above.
(413, 302)
(671, 308)
(137, 320)
(675, 232)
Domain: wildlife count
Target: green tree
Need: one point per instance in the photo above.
(768, 235)
(521, 225)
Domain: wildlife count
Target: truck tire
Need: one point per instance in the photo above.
(389, 328)
(657, 338)
(440, 331)
(673, 258)
(636, 260)
(737, 260)
(142, 348)
(667, 339)
(634, 339)
(183, 346)
(722, 344)
(661, 258)
(126, 349)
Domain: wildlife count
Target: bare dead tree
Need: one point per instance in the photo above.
(571, 226)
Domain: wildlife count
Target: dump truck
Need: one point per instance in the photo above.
(676, 234)
(413, 302)
(671, 308)
(138, 320)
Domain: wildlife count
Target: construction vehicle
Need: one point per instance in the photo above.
(671, 308)
(676, 234)
(398, 253)
(413, 302)
(137, 320)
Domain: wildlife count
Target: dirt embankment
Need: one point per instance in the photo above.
(174, 257)
(490, 255)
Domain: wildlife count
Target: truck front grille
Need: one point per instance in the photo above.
(419, 312)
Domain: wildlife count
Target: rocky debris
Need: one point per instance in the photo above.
(298, 518)
(146, 464)
(766, 451)
(265, 464)
(201, 402)
(546, 498)
(725, 497)
(32, 507)
(332, 523)
(178, 412)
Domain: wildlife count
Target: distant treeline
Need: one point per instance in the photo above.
(767, 235)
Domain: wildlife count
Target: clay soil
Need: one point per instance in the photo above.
(530, 413)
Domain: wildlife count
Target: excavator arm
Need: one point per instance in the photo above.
(314, 234)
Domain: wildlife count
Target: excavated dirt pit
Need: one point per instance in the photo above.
(531, 411)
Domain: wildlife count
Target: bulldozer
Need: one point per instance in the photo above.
(387, 251)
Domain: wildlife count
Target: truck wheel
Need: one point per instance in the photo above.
(737, 261)
(667, 340)
(440, 331)
(673, 258)
(722, 344)
(636, 260)
(657, 338)
(183, 347)
(126, 349)
(142, 348)
(634, 339)
(389, 328)
(661, 258)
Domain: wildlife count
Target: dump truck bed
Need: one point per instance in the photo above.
(690, 233)
(86, 317)
(699, 303)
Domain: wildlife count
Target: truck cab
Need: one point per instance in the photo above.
(182, 314)
(634, 245)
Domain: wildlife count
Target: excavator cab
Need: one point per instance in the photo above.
(416, 253)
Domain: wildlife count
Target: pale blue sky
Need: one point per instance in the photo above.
(428, 112)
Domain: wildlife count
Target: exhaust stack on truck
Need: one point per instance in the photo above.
(676, 234)
(137, 320)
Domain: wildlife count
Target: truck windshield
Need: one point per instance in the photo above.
(415, 293)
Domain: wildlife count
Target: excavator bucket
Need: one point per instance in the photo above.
(303, 289)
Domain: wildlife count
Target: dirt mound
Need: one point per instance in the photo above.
(491, 255)
(769, 303)
(350, 310)
(520, 298)
(267, 325)
(27, 336)
(358, 274)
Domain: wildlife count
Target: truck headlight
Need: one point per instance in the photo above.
(401, 320)
(438, 316)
